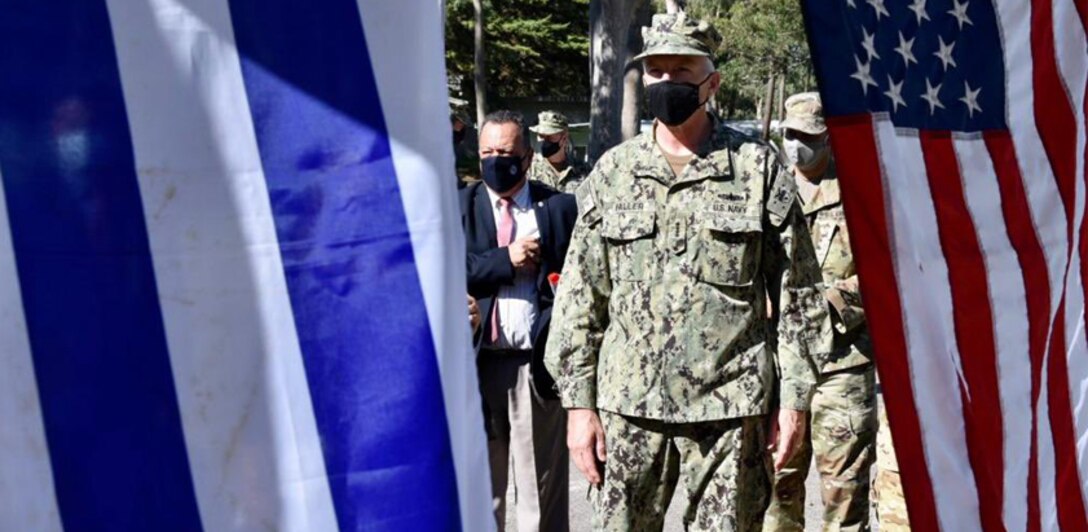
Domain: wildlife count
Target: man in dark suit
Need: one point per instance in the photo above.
(517, 234)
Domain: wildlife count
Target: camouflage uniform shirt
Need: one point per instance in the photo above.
(566, 181)
(661, 308)
(852, 346)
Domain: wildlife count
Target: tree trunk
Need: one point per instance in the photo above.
(674, 6)
(630, 121)
(481, 67)
(609, 21)
(781, 97)
(768, 107)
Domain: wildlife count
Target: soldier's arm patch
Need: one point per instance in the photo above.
(782, 195)
(587, 203)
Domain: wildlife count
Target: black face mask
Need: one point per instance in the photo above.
(549, 148)
(502, 172)
(673, 102)
(458, 136)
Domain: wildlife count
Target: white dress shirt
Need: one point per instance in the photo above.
(517, 302)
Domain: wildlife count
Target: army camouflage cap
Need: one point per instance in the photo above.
(805, 113)
(676, 34)
(550, 123)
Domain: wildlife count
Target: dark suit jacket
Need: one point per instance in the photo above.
(489, 266)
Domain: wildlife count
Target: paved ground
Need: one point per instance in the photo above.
(581, 513)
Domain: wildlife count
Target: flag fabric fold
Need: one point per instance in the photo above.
(231, 270)
(959, 131)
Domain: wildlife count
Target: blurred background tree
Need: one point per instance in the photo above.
(761, 40)
(533, 48)
(581, 50)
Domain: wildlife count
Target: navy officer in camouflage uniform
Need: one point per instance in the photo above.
(661, 345)
(554, 165)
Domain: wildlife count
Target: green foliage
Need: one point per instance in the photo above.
(533, 47)
(766, 37)
(541, 48)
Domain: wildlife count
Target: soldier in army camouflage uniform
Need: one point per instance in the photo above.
(555, 165)
(891, 506)
(843, 417)
(660, 344)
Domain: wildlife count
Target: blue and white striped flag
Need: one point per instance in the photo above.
(231, 270)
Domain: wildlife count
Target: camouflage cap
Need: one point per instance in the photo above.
(805, 113)
(676, 34)
(550, 123)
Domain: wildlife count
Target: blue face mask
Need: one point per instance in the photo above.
(502, 172)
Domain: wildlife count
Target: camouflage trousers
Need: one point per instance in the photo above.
(724, 465)
(891, 506)
(841, 433)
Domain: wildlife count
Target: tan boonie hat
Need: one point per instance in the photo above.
(550, 123)
(805, 113)
(676, 34)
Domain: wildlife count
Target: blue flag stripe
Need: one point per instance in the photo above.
(355, 291)
(94, 323)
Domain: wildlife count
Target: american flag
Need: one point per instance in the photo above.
(958, 128)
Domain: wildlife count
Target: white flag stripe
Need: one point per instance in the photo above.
(1078, 383)
(1048, 500)
(415, 107)
(26, 476)
(927, 302)
(1070, 44)
(1075, 354)
(249, 425)
(1078, 390)
(1008, 302)
(1014, 18)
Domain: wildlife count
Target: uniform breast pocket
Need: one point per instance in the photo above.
(835, 256)
(630, 238)
(823, 233)
(841, 244)
(728, 250)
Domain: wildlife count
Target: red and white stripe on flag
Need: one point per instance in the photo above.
(958, 128)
